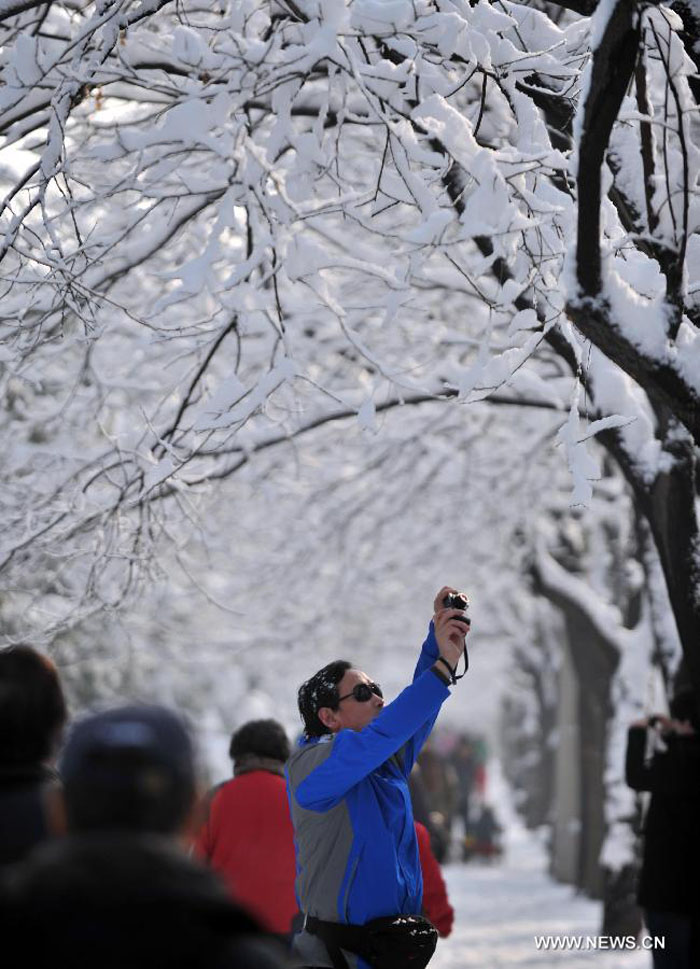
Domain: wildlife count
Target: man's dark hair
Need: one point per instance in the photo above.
(129, 769)
(263, 738)
(321, 691)
(32, 706)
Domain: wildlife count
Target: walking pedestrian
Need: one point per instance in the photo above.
(247, 836)
(119, 890)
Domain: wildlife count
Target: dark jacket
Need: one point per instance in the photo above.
(126, 900)
(670, 875)
(26, 794)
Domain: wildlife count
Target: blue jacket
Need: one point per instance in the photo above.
(357, 855)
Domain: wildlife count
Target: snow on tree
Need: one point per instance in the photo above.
(233, 230)
(305, 203)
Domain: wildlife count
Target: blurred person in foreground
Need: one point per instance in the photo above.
(669, 885)
(119, 890)
(247, 836)
(359, 880)
(32, 717)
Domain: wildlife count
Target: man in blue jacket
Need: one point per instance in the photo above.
(357, 856)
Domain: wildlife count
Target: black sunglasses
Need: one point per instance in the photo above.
(363, 692)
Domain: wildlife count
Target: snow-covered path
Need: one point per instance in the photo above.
(499, 909)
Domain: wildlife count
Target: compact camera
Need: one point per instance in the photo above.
(458, 600)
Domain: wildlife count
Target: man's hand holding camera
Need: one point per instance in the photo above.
(451, 625)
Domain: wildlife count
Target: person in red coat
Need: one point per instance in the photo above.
(248, 836)
(436, 904)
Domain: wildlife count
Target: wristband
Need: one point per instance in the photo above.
(441, 659)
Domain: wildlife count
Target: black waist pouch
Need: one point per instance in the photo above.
(392, 942)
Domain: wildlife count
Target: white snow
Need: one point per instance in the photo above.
(501, 907)
(231, 403)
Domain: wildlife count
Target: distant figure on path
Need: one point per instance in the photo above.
(464, 763)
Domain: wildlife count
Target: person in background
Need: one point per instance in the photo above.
(119, 890)
(669, 885)
(464, 763)
(483, 839)
(248, 836)
(32, 717)
(440, 785)
(436, 904)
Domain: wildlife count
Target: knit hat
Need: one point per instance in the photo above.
(132, 767)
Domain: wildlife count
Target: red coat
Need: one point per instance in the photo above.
(435, 902)
(249, 839)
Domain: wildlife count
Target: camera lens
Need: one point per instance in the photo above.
(456, 600)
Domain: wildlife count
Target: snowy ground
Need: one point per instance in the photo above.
(500, 908)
